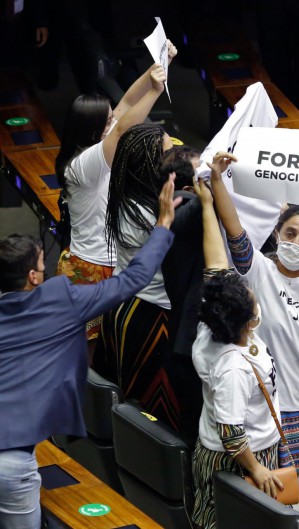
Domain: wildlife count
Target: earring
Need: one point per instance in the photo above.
(253, 349)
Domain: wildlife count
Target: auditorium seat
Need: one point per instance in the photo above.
(154, 466)
(238, 505)
(96, 452)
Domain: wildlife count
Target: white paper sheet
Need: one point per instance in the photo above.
(157, 46)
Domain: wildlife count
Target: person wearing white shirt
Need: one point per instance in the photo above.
(276, 283)
(89, 139)
(236, 430)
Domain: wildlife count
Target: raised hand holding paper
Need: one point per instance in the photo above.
(158, 48)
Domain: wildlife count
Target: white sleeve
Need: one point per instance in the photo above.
(89, 167)
(232, 390)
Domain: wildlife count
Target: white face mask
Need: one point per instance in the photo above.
(288, 254)
(258, 317)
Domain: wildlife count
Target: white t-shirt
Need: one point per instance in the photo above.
(154, 292)
(87, 184)
(278, 296)
(231, 393)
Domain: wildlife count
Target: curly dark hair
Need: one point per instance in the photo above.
(226, 306)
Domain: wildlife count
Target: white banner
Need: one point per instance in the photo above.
(158, 48)
(253, 110)
(268, 164)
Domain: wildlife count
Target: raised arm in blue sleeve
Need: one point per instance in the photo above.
(93, 300)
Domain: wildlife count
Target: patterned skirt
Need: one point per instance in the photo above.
(133, 352)
(290, 426)
(83, 273)
(205, 462)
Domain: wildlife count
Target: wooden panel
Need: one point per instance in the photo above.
(32, 165)
(64, 502)
(46, 452)
(280, 100)
(38, 125)
(30, 149)
(245, 70)
(290, 124)
(233, 94)
(50, 202)
(239, 72)
(18, 99)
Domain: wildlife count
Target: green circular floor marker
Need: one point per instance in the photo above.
(228, 57)
(17, 122)
(94, 509)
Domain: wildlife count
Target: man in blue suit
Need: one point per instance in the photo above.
(43, 357)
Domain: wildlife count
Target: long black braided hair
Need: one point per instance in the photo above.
(134, 180)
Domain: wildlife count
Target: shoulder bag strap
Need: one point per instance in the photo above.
(269, 402)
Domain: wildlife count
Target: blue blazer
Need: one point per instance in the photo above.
(43, 357)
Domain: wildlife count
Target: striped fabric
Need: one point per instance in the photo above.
(241, 250)
(290, 426)
(233, 438)
(205, 462)
(133, 352)
(209, 273)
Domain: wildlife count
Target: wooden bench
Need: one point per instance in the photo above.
(64, 501)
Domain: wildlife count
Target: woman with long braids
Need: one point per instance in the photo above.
(133, 346)
(89, 138)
